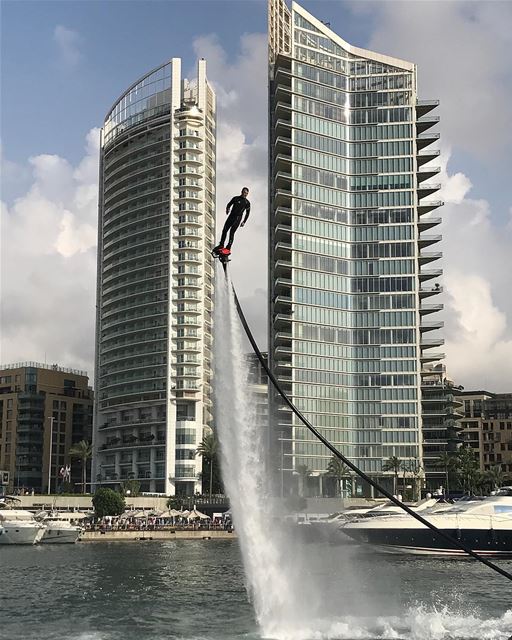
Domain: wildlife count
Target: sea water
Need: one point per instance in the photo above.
(196, 590)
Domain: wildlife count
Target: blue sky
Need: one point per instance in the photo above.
(64, 63)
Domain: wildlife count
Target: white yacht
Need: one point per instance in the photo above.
(59, 528)
(18, 526)
(485, 526)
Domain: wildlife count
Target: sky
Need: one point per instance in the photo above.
(64, 63)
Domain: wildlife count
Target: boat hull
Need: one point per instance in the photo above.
(17, 533)
(487, 542)
(57, 535)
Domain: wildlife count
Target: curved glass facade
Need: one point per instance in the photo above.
(155, 282)
(345, 250)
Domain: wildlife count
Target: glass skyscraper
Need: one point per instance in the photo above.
(350, 266)
(155, 282)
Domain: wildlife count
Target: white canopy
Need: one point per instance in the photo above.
(197, 515)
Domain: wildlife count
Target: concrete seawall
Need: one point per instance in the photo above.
(140, 536)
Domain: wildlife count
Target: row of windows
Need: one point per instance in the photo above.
(333, 283)
(359, 183)
(354, 393)
(343, 233)
(351, 149)
(356, 268)
(346, 216)
(355, 336)
(347, 407)
(344, 199)
(342, 351)
(322, 315)
(349, 116)
(352, 100)
(317, 364)
(351, 302)
(354, 380)
(333, 79)
(351, 133)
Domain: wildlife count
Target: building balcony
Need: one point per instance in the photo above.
(282, 215)
(428, 274)
(282, 320)
(283, 230)
(428, 223)
(431, 326)
(283, 300)
(425, 173)
(427, 240)
(425, 106)
(282, 126)
(425, 309)
(424, 123)
(427, 189)
(426, 155)
(282, 109)
(426, 292)
(428, 206)
(429, 343)
(282, 249)
(425, 139)
(429, 256)
(282, 159)
(283, 265)
(282, 338)
(283, 350)
(282, 145)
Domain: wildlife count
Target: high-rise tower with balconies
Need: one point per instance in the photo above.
(155, 282)
(350, 264)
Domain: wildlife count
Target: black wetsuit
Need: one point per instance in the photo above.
(238, 205)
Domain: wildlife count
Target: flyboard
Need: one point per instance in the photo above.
(222, 254)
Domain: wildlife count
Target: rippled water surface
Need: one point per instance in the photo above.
(194, 590)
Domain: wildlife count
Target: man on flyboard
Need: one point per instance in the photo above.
(238, 205)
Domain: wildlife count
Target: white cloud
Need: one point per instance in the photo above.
(68, 43)
(478, 280)
(49, 239)
(240, 86)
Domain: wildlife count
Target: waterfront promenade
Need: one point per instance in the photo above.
(157, 534)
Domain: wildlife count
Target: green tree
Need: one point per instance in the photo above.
(495, 477)
(174, 502)
(130, 488)
(393, 464)
(83, 451)
(467, 469)
(107, 502)
(207, 449)
(338, 469)
(448, 462)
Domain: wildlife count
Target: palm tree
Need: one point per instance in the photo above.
(303, 472)
(495, 476)
(207, 449)
(338, 470)
(393, 464)
(448, 462)
(82, 450)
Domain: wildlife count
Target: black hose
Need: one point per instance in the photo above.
(338, 454)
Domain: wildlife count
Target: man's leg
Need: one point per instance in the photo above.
(225, 228)
(234, 227)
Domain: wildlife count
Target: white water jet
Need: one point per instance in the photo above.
(288, 584)
(272, 581)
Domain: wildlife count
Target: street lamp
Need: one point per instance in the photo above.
(51, 419)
